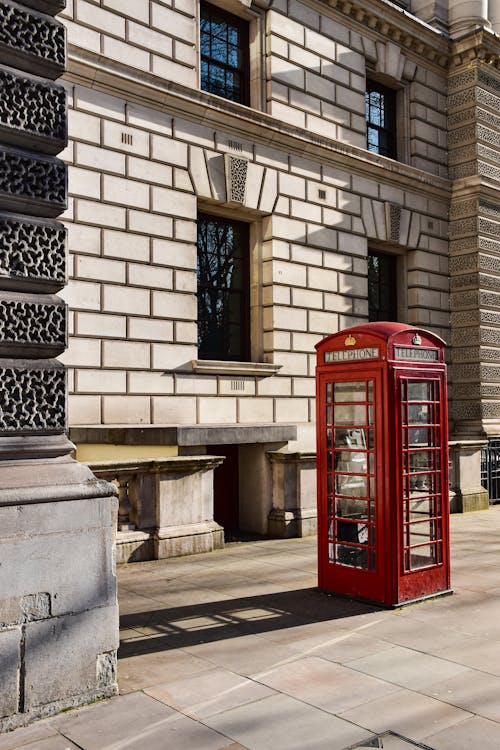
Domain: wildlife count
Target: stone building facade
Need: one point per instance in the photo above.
(249, 120)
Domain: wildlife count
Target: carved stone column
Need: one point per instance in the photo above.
(466, 15)
(58, 612)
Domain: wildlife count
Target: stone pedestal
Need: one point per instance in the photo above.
(58, 608)
(466, 492)
(293, 493)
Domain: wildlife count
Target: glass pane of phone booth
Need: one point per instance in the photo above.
(421, 463)
(351, 473)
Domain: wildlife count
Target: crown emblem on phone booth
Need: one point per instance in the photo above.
(416, 340)
(350, 341)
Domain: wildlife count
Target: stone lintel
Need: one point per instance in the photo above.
(183, 435)
(209, 366)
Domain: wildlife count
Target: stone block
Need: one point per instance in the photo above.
(126, 192)
(221, 410)
(84, 409)
(101, 381)
(82, 36)
(150, 383)
(84, 127)
(149, 171)
(125, 245)
(150, 276)
(10, 660)
(68, 649)
(129, 354)
(183, 27)
(126, 410)
(251, 410)
(95, 324)
(88, 267)
(125, 53)
(123, 299)
(101, 214)
(125, 138)
(169, 151)
(100, 19)
(151, 330)
(172, 356)
(149, 39)
(82, 295)
(181, 410)
(174, 305)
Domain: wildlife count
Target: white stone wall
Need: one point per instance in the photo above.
(139, 173)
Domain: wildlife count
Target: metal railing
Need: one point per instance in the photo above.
(490, 469)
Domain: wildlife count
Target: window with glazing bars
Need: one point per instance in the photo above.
(223, 289)
(380, 119)
(224, 54)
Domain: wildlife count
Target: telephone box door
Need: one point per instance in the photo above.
(424, 565)
(350, 520)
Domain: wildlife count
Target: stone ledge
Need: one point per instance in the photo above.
(183, 435)
(217, 367)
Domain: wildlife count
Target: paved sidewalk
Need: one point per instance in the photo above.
(235, 649)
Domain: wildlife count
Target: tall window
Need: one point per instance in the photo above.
(224, 54)
(380, 119)
(223, 289)
(382, 289)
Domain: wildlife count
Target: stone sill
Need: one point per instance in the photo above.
(222, 367)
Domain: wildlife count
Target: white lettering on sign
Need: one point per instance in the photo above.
(405, 352)
(348, 355)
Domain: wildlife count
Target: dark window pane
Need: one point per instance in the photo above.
(223, 289)
(381, 119)
(382, 291)
(224, 54)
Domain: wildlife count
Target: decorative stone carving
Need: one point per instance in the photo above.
(465, 318)
(462, 79)
(464, 226)
(489, 299)
(460, 209)
(485, 78)
(488, 170)
(32, 397)
(393, 221)
(488, 135)
(461, 135)
(20, 96)
(492, 209)
(461, 263)
(33, 183)
(466, 410)
(465, 337)
(236, 178)
(461, 98)
(466, 280)
(32, 323)
(466, 372)
(464, 299)
(32, 254)
(463, 170)
(488, 99)
(489, 227)
(31, 41)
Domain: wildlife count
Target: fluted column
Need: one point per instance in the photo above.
(494, 15)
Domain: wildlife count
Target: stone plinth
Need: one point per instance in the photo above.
(466, 494)
(167, 507)
(58, 606)
(294, 494)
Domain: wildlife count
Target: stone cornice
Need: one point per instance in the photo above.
(478, 46)
(397, 25)
(96, 71)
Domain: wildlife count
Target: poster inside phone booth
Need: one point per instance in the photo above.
(382, 464)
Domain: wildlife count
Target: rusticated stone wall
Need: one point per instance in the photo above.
(474, 140)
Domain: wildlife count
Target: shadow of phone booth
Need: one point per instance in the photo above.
(382, 462)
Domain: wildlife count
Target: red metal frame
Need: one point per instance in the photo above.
(407, 556)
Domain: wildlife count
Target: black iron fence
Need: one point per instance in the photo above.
(490, 469)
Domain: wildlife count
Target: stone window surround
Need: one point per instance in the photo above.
(256, 35)
(401, 254)
(256, 313)
(402, 112)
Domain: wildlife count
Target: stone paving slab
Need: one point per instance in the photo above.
(236, 650)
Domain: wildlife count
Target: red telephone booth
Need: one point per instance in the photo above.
(382, 462)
